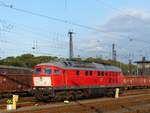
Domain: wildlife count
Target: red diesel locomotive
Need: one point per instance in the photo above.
(70, 79)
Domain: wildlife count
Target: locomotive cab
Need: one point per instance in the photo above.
(42, 76)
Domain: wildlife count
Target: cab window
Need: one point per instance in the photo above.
(91, 73)
(102, 73)
(37, 71)
(86, 73)
(56, 72)
(47, 71)
(98, 73)
(77, 72)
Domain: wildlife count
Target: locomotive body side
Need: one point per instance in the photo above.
(53, 79)
(76, 78)
(88, 78)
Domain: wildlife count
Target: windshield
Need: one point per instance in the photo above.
(47, 71)
(37, 71)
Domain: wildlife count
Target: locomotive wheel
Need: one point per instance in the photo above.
(41, 96)
(60, 96)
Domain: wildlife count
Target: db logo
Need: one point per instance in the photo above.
(40, 78)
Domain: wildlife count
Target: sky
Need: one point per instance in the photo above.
(40, 27)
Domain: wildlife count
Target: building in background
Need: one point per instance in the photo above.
(143, 67)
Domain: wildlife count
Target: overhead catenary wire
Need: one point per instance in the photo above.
(55, 35)
(66, 21)
(45, 16)
(30, 45)
(25, 28)
(54, 18)
(58, 19)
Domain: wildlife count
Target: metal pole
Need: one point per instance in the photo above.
(70, 45)
(113, 52)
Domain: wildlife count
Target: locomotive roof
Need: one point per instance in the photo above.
(82, 66)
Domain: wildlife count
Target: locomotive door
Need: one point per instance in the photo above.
(58, 77)
(64, 78)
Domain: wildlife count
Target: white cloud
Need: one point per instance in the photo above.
(132, 27)
(129, 31)
(130, 21)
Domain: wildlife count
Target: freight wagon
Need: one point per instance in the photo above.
(137, 81)
(15, 80)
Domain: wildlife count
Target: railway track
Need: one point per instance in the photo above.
(126, 104)
(136, 95)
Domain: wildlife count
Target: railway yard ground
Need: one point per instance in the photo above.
(134, 101)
